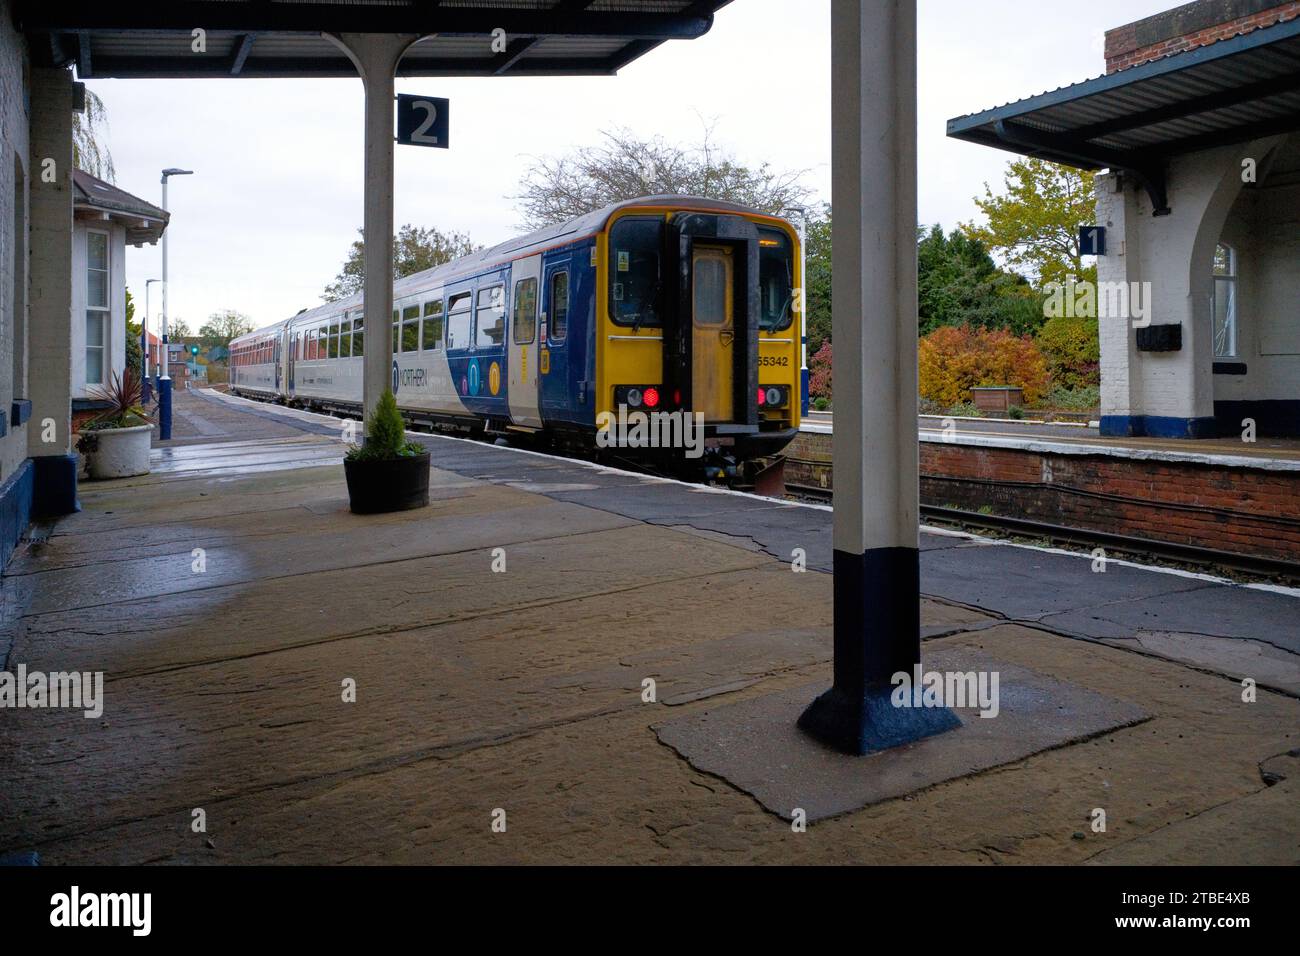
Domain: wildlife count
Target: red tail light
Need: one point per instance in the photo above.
(651, 398)
(762, 396)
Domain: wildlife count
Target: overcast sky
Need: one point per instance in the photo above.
(276, 198)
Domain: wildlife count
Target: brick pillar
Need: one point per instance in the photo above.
(49, 432)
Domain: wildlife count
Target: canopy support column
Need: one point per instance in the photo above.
(876, 560)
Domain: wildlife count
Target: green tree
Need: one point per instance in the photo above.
(178, 329)
(958, 283)
(134, 353)
(817, 281)
(414, 250)
(1034, 224)
(624, 166)
(90, 151)
(223, 326)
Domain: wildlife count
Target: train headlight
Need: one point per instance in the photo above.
(634, 398)
(772, 396)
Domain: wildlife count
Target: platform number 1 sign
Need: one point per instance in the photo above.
(422, 120)
(1092, 240)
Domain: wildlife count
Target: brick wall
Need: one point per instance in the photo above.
(1245, 510)
(1189, 26)
(13, 240)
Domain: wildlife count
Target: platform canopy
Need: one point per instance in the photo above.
(1135, 120)
(284, 38)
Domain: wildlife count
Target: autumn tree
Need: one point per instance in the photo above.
(623, 165)
(414, 250)
(817, 277)
(1034, 223)
(223, 326)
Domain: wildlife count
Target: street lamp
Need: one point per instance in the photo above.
(144, 344)
(165, 382)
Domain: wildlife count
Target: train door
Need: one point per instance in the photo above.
(713, 333)
(276, 357)
(553, 337)
(523, 304)
(290, 360)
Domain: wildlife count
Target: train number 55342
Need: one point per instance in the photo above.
(782, 360)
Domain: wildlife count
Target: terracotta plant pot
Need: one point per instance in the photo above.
(388, 484)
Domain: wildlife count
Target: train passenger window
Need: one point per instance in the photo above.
(635, 283)
(431, 337)
(458, 320)
(411, 328)
(334, 341)
(775, 280)
(397, 331)
(345, 339)
(525, 320)
(559, 306)
(491, 326)
(358, 336)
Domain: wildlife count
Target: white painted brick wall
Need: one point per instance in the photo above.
(13, 161)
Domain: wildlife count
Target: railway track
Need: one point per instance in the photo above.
(1167, 552)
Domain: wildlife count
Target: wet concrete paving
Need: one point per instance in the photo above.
(524, 690)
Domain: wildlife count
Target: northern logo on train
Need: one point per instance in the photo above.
(494, 378)
(475, 378)
(395, 376)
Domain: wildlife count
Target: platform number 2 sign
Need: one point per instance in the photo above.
(422, 120)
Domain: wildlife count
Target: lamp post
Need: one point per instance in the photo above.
(165, 382)
(144, 344)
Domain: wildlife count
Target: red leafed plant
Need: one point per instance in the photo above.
(122, 395)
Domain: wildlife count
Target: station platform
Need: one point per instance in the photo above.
(1278, 454)
(1228, 496)
(520, 696)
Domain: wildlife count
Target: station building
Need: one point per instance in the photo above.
(1194, 124)
(105, 221)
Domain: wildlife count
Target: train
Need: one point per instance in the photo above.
(659, 306)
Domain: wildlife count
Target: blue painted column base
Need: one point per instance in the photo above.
(877, 635)
(164, 408)
(55, 486)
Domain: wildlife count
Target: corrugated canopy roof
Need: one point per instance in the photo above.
(1135, 120)
(284, 38)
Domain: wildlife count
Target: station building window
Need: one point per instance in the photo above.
(97, 311)
(559, 306)
(1225, 301)
(431, 334)
(525, 318)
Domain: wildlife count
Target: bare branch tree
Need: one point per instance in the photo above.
(624, 166)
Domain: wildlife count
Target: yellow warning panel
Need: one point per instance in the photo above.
(546, 361)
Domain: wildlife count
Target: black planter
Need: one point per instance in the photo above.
(388, 484)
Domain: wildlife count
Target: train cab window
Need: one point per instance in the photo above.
(431, 336)
(345, 339)
(491, 324)
(635, 283)
(775, 280)
(358, 336)
(559, 326)
(710, 292)
(411, 328)
(458, 321)
(525, 317)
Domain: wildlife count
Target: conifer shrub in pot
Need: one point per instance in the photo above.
(115, 443)
(387, 472)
